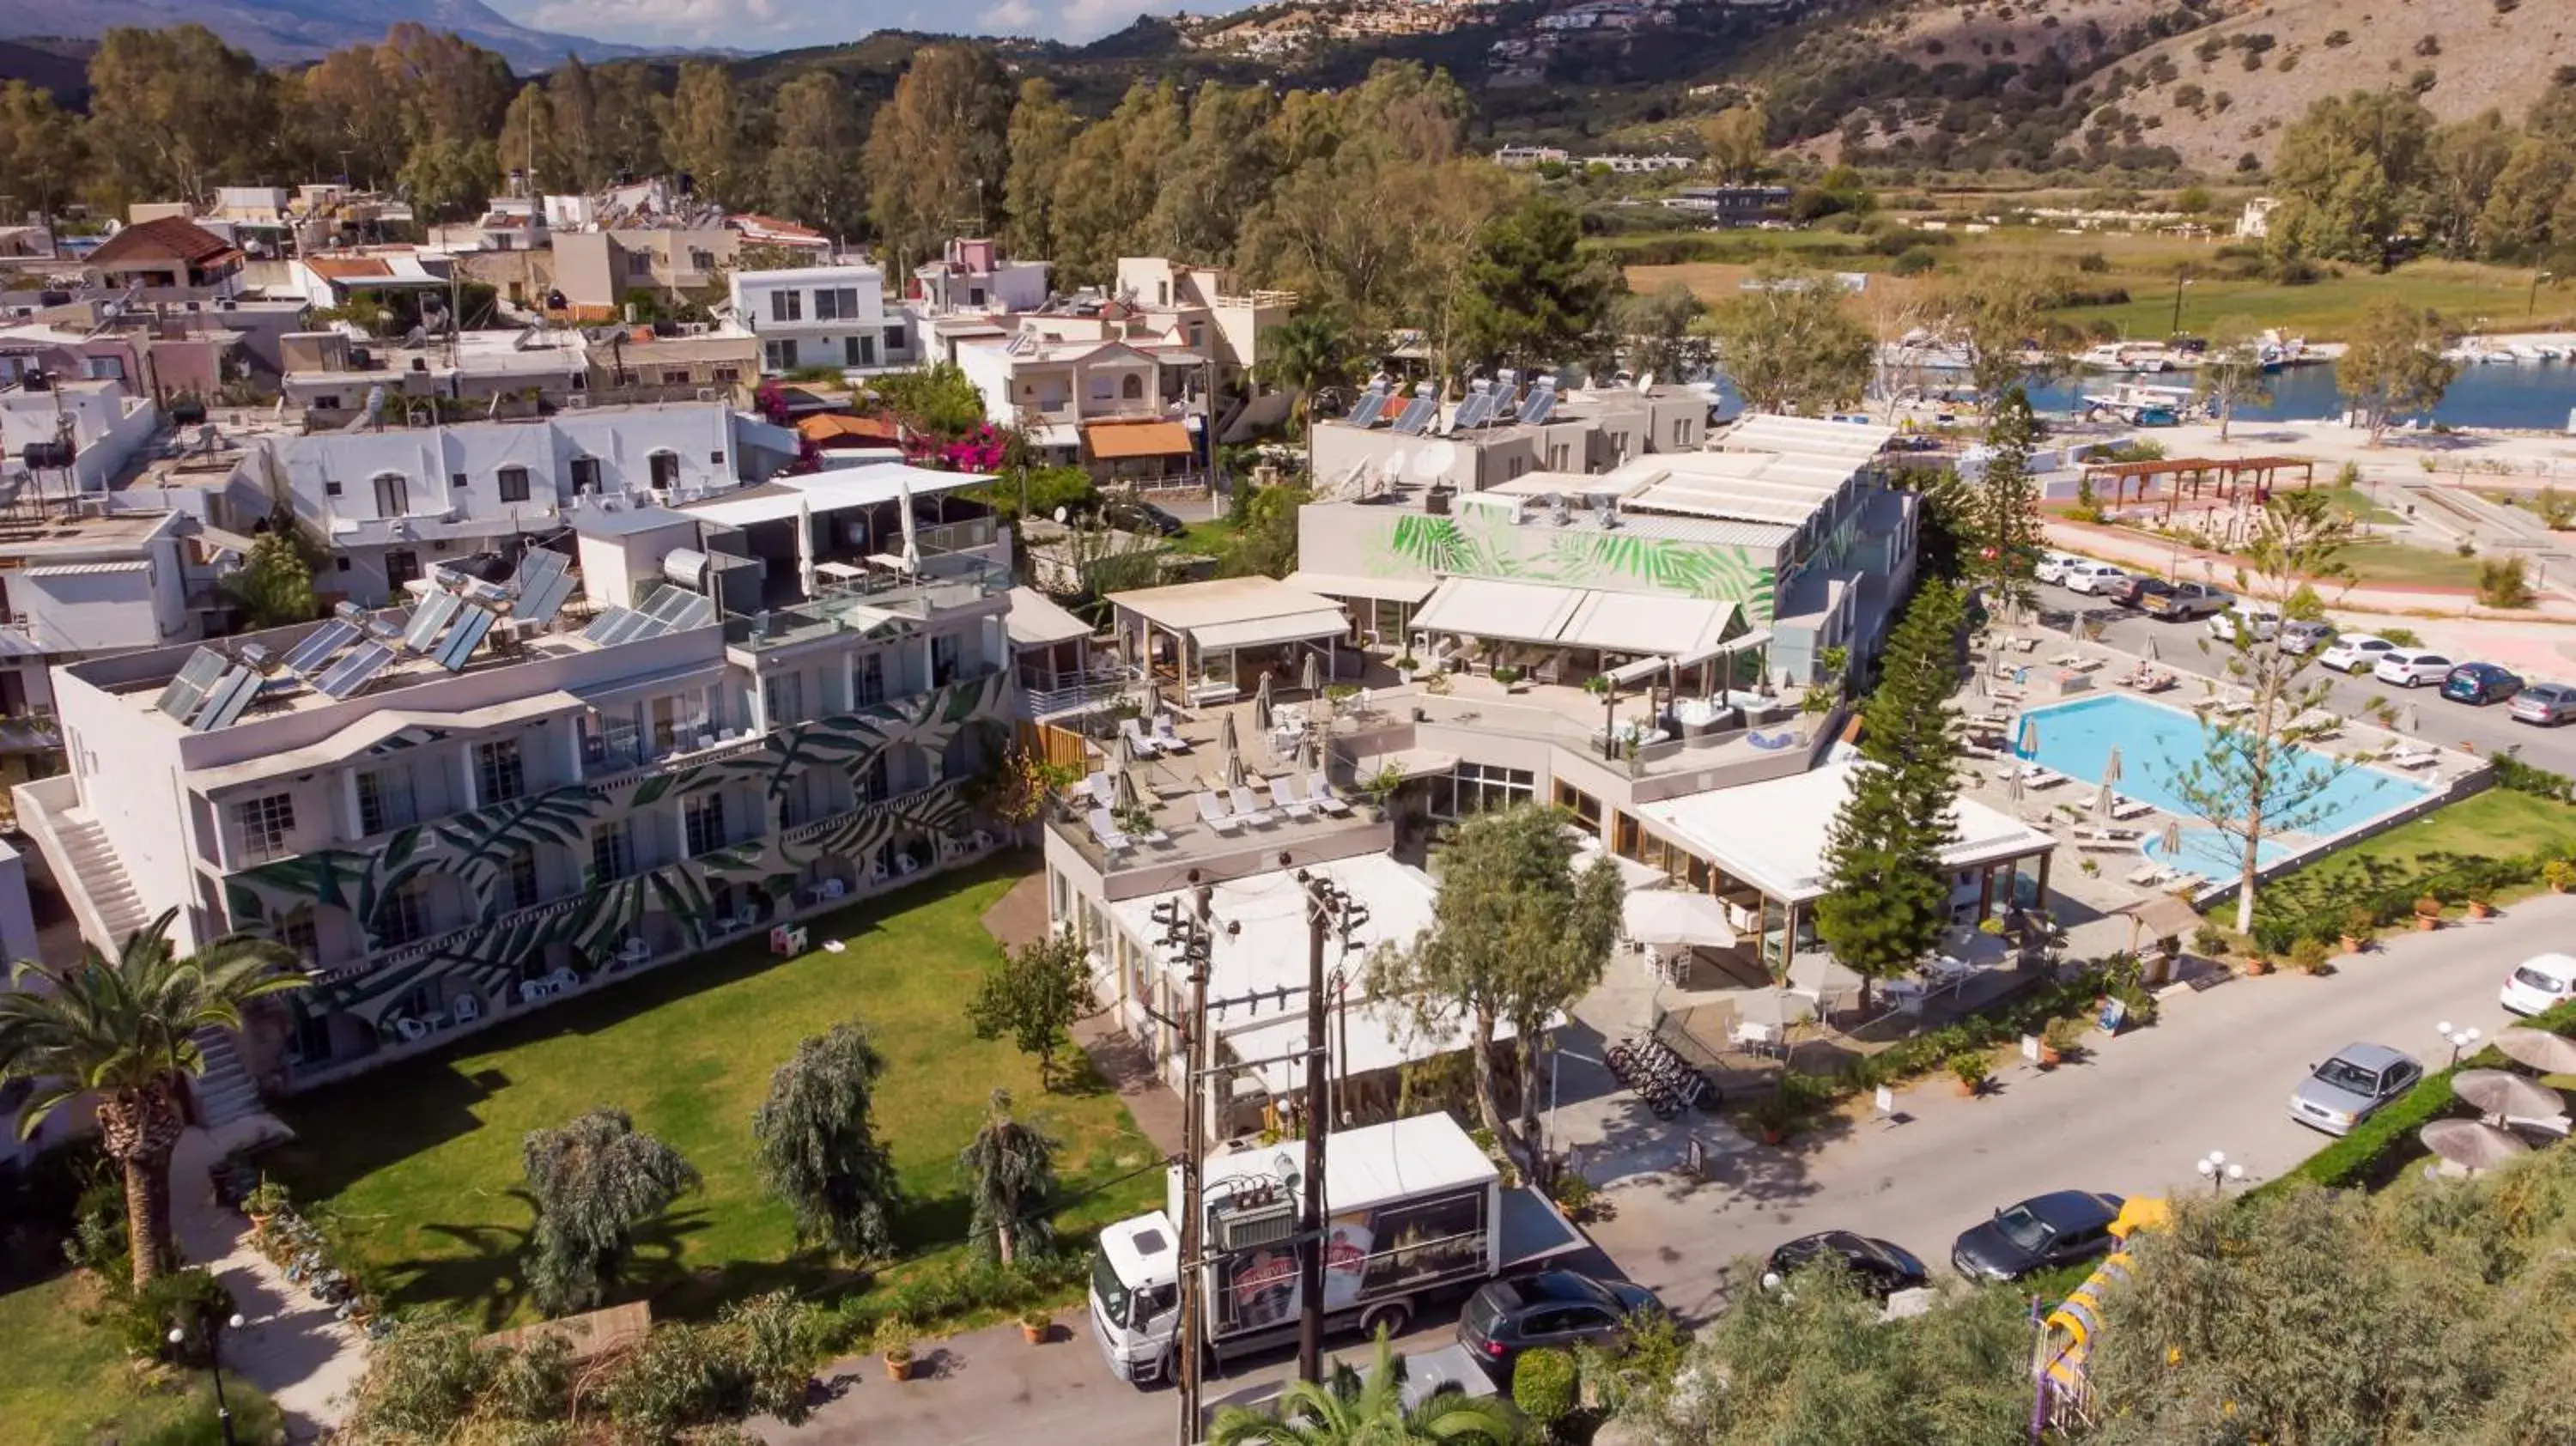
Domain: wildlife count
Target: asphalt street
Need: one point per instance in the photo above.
(2132, 1118)
(2178, 646)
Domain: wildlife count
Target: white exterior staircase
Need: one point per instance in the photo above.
(224, 1092)
(99, 875)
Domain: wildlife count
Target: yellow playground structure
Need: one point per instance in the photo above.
(2066, 1337)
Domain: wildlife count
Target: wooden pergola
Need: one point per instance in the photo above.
(2224, 474)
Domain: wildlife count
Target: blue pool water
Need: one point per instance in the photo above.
(2157, 744)
(2211, 854)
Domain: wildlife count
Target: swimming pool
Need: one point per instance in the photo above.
(2212, 854)
(2157, 744)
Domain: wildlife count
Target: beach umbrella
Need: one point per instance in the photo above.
(2104, 801)
(2111, 767)
(2471, 1144)
(2172, 840)
(1122, 753)
(1232, 749)
(2152, 655)
(1312, 677)
(1262, 715)
(2508, 1095)
(2538, 1049)
(1982, 687)
(1306, 761)
(1153, 701)
(2027, 740)
(1123, 792)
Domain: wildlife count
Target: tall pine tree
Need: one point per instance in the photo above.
(1996, 517)
(1888, 897)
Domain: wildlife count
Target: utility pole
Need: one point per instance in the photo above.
(1329, 909)
(1185, 932)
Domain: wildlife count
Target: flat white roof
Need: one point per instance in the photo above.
(1266, 950)
(1036, 621)
(1651, 624)
(1189, 606)
(1772, 835)
(1385, 589)
(1369, 1166)
(1362, 1038)
(1524, 612)
(831, 491)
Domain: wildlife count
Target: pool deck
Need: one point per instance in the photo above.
(2061, 670)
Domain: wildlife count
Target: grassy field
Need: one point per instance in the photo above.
(420, 1161)
(2470, 293)
(2492, 824)
(2400, 565)
(64, 1382)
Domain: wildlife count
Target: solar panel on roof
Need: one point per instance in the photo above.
(226, 701)
(345, 677)
(616, 625)
(307, 657)
(1540, 401)
(430, 619)
(205, 667)
(1473, 411)
(1418, 412)
(1371, 406)
(674, 609)
(459, 644)
(544, 581)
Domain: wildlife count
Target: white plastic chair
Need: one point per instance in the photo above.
(1212, 812)
(1320, 791)
(412, 1030)
(1287, 801)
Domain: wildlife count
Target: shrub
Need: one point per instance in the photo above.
(1544, 1386)
(2309, 955)
(2558, 874)
(1971, 1068)
(187, 1417)
(2557, 510)
(2503, 583)
(1914, 261)
(2403, 637)
(180, 1299)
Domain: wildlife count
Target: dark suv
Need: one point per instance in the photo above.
(2041, 1233)
(1560, 1308)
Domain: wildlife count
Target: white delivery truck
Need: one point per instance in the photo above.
(1412, 1211)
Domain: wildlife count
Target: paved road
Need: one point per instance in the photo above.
(2487, 730)
(2212, 1075)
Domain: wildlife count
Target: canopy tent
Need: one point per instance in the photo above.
(832, 491)
(1665, 916)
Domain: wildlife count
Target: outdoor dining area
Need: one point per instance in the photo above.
(1212, 642)
(2516, 1112)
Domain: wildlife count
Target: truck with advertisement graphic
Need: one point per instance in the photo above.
(1413, 1212)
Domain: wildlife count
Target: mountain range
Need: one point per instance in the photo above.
(297, 30)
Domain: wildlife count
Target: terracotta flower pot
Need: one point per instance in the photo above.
(1772, 1136)
(2050, 1057)
(1036, 1335)
(2427, 923)
(2353, 945)
(898, 1368)
(2255, 965)
(2479, 909)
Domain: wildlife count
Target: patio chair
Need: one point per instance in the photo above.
(1166, 737)
(1101, 788)
(1134, 732)
(1249, 809)
(1319, 791)
(412, 1030)
(1288, 800)
(1105, 830)
(1212, 812)
(2130, 808)
(2149, 876)
(467, 1008)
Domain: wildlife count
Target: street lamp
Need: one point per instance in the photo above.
(2182, 278)
(2461, 1039)
(2219, 1171)
(215, 1364)
(2537, 277)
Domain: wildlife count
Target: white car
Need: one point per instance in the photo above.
(2355, 652)
(2089, 577)
(2541, 982)
(2302, 638)
(2260, 623)
(2052, 566)
(2410, 667)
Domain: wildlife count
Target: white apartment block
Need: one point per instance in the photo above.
(973, 278)
(822, 316)
(739, 721)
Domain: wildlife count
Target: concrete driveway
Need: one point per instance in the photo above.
(2131, 1119)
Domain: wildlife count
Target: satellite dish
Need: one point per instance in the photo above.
(1391, 466)
(1061, 516)
(1646, 383)
(1434, 461)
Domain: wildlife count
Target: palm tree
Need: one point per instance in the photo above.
(121, 1030)
(1309, 351)
(1351, 1410)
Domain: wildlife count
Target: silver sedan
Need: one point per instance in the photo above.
(2545, 704)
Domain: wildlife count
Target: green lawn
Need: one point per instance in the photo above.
(2399, 565)
(1212, 538)
(421, 1160)
(63, 1380)
(2492, 824)
(2354, 505)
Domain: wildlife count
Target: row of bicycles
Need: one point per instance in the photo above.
(1668, 1083)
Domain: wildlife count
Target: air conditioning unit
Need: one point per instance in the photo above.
(574, 401)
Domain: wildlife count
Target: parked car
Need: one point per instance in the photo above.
(2041, 1233)
(1561, 1308)
(2089, 577)
(2260, 622)
(1130, 516)
(2410, 668)
(2182, 601)
(2052, 566)
(2304, 638)
(2546, 704)
(2355, 652)
(2350, 1087)
(1881, 1268)
(2479, 683)
(2538, 983)
(2133, 591)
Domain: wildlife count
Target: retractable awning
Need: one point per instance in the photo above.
(1668, 916)
(1654, 623)
(1113, 441)
(1407, 590)
(1270, 632)
(1517, 612)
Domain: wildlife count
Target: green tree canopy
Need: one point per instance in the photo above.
(1532, 296)
(1517, 936)
(934, 401)
(2350, 173)
(1010, 1170)
(1033, 994)
(1789, 345)
(122, 1032)
(2394, 364)
(1038, 139)
(1735, 142)
(812, 175)
(2231, 374)
(938, 152)
(818, 1146)
(274, 586)
(1659, 332)
(1350, 1408)
(595, 1181)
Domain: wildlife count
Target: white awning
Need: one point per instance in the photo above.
(1408, 590)
(1518, 612)
(1269, 632)
(1629, 675)
(1759, 637)
(1035, 621)
(1651, 623)
(830, 491)
(1668, 916)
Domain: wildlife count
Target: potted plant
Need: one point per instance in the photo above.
(2061, 1041)
(1972, 1070)
(1774, 1116)
(2428, 913)
(2311, 956)
(1036, 1326)
(1508, 676)
(264, 1203)
(894, 1342)
(2358, 928)
(2256, 964)
(2559, 874)
(1376, 791)
(1598, 685)
(1136, 822)
(1406, 667)
(2481, 899)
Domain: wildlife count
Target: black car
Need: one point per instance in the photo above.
(1560, 1308)
(1881, 1268)
(1130, 516)
(2041, 1233)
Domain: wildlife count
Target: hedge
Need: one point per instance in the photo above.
(2025, 1013)
(2371, 1155)
(2450, 883)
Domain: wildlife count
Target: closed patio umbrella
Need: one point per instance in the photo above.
(2539, 1049)
(1261, 707)
(2012, 786)
(2111, 767)
(2471, 1144)
(2413, 721)
(2151, 653)
(1311, 678)
(1122, 753)
(2026, 742)
(1123, 791)
(1232, 749)
(1306, 760)
(2104, 801)
(2172, 840)
(2507, 1095)
(1153, 702)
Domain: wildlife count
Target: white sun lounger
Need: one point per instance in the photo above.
(1286, 800)
(1212, 812)
(1249, 809)
(2149, 876)
(1320, 793)
(1166, 737)
(2130, 808)
(2415, 758)
(1134, 732)
(2038, 777)
(1105, 829)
